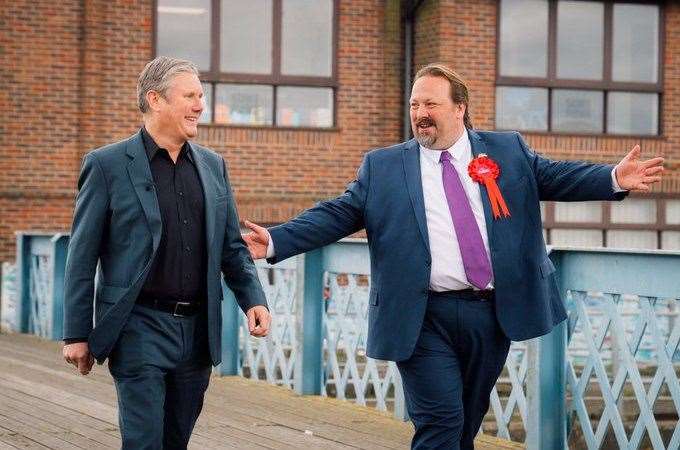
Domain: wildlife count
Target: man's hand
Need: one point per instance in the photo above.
(257, 240)
(635, 175)
(259, 320)
(79, 355)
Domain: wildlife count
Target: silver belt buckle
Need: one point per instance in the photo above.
(174, 313)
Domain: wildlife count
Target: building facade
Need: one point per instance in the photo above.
(298, 90)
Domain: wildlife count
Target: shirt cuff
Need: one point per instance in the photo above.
(615, 183)
(270, 247)
(74, 340)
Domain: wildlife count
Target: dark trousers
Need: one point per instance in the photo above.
(447, 381)
(161, 368)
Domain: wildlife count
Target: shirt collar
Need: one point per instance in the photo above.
(460, 149)
(152, 148)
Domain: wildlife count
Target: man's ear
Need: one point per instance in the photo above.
(153, 98)
(460, 110)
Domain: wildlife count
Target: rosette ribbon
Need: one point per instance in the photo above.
(483, 169)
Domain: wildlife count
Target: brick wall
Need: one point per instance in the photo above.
(467, 29)
(69, 71)
(68, 75)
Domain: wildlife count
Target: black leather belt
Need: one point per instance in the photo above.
(179, 309)
(487, 295)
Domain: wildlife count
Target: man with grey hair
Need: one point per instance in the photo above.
(157, 215)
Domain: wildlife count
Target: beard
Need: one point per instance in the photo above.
(426, 139)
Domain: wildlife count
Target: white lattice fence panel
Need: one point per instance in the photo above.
(630, 343)
(350, 374)
(505, 407)
(273, 358)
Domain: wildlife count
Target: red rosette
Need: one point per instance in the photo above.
(482, 167)
(484, 170)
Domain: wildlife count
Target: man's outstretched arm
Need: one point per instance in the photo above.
(579, 181)
(325, 223)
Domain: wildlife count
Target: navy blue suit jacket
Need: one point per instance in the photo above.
(117, 224)
(387, 200)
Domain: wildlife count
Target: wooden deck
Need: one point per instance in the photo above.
(44, 403)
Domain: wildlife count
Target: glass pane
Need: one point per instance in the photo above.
(304, 107)
(519, 108)
(248, 104)
(632, 113)
(631, 239)
(580, 40)
(206, 115)
(634, 210)
(576, 238)
(636, 43)
(578, 111)
(307, 37)
(246, 36)
(578, 212)
(673, 212)
(183, 30)
(523, 38)
(670, 240)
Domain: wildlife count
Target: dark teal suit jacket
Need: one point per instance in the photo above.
(117, 224)
(387, 200)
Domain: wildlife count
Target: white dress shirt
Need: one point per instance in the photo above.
(447, 272)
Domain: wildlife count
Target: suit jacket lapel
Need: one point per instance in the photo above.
(414, 184)
(478, 146)
(208, 194)
(139, 172)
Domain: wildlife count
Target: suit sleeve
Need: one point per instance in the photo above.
(238, 267)
(570, 181)
(325, 223)
(89, 221)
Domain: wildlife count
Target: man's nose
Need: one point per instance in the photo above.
(421, 112)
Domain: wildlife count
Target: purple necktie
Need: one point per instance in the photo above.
(475, 259)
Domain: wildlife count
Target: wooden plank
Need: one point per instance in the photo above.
(70, 437)
(5, 446)
(238, 413)
(17, 440)
(57, 415)
(35, 435)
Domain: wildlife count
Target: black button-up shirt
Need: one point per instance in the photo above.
(178, 272)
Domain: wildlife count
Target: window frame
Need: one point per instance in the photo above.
(214, 76)
(606, 85)
(659, 226)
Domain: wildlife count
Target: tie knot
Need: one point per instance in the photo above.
(445, 156)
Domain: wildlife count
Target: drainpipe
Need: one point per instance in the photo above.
(411, 8)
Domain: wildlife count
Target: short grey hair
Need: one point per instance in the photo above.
(158, 74)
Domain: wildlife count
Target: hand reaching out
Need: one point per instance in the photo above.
(635, 175)
(257, 240)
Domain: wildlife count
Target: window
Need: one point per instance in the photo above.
(585, 67)
(639, 222)
(262, 62)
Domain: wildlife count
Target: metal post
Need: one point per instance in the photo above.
(231, 315)
(309, 373)
(23, 282)
(59, 249)
(551, 402)
(533, 437)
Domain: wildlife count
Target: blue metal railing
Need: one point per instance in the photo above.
(618, 347)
